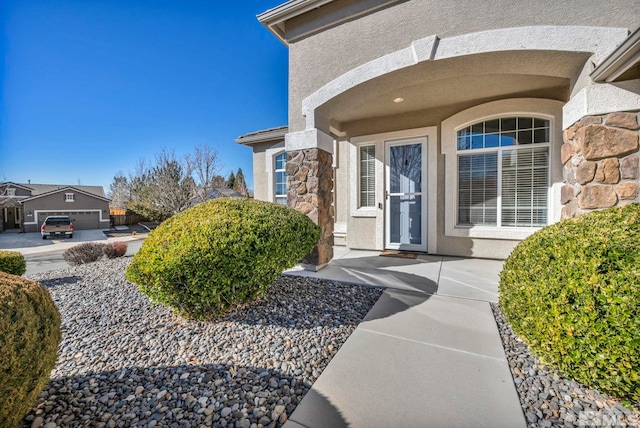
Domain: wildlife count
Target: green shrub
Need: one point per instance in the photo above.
(220, 254)
(114, 249)
(83, 253)
(12, 262)
(29, 339)
(572, 291)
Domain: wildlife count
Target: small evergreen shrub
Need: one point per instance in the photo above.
(29, 339)
(12, 262)
(114, 249)
(220, 254)
(572, 291)
(87, 252)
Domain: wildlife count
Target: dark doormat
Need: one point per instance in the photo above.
(401, 254)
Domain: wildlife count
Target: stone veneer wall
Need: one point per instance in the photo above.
(309, 190)
(600, 157)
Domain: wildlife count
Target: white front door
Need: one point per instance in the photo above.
(406, 201)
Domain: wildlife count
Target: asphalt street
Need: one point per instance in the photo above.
(53, 260)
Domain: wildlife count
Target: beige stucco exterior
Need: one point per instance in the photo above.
(382, 71)
(319, 58)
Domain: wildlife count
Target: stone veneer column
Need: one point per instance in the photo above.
(600, 157)
(310, 191)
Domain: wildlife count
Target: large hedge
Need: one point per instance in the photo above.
(12, 262)
(29, 339)
(572, 291)
(219, 254)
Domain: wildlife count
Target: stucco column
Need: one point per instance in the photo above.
(600, 156)
(310, 188)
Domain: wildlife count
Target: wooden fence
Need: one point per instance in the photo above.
(126, 219)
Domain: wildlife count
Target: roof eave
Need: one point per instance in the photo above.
(275, 18)
(53, 192)
(620, 64)
(267, 135)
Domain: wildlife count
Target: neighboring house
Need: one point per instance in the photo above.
(213, 193)
(25, 206)
(452, 127)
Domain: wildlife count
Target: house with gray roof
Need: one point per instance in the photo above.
(25, 206)
(452, 127)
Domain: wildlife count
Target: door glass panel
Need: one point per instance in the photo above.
(405, 168)
(406, 219)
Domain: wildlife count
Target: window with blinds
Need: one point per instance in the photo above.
(280, 178)
(367, 155)
(503, 172)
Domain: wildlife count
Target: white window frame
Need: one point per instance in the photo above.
(355, 208)
(11, 192)
(360, 172)
(69, 197)
(269, 165)
(275, 177)
(499, 164)
(550, 110)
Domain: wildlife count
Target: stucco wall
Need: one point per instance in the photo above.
(260, 190)
(263, 179)
(56, 202)
(320, 58)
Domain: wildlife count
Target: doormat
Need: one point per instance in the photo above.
(401, 254)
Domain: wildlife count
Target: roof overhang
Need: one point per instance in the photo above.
(65, 189)
(275, 18)
(622, 64)
(264, 136)
(12, 184)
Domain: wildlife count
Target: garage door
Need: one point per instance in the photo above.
(82, 220)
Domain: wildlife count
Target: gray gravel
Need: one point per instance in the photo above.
(123, 362)
(550, 400)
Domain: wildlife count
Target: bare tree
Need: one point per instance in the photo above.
(119, 191)
(205, 164)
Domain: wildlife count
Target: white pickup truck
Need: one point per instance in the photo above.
(57, 226)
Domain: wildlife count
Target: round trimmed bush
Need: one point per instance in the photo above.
(29, 339)
(12, 262)
(572, 291)
(220, 254)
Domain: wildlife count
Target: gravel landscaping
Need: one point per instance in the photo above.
(123, 362)
(550, 400)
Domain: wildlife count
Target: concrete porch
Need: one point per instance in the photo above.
(427, 354)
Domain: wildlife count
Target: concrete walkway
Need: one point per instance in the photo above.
(428, 354)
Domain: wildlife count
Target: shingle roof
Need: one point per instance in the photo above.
(39, 189)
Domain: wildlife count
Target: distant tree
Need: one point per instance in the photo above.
(119, 192)
(205, 164)
(163, 189)
(219, 181)
(172, 184)
(231, 181)
(240, 185)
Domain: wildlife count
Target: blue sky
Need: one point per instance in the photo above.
(90, 87)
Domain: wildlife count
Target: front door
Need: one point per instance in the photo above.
(406, 204)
